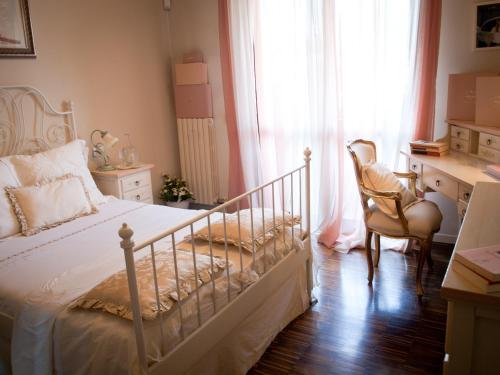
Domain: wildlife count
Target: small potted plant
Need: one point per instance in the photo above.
(175, 192)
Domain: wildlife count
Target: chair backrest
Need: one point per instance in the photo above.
(362, 152)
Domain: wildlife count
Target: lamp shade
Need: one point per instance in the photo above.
(108, 140)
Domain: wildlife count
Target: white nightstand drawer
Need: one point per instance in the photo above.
(464, 192)
(135, 181)
(439, 182)
(459, 144)
(489, 154)
(489, 140)
(140, 195)
(461, 133)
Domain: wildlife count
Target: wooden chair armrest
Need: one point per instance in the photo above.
(396, 197)
(412, 177)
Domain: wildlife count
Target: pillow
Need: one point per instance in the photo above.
(112, 295)
(57, 162)
(50, 203)
(378, 177)
(261, 235)
(8, 220)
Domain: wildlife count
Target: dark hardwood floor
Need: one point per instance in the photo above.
(358, 329)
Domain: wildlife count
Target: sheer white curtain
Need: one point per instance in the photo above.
(317, 73)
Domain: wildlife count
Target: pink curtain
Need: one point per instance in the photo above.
(236, 181)
(427, 60)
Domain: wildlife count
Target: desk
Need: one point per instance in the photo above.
(473, 319)
(454, 175)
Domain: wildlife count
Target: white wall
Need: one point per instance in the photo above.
(109, 57)
(194, 26)
(456, 53)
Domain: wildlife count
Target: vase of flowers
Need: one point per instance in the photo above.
(175, 192)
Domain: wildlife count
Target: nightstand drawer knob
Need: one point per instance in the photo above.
(438, 182)
(138, 197)
(466, 195)
(464, 211)
(488, 142)
(137, 183)
(414, 166)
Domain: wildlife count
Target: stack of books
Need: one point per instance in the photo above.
(493, 170)
(429, 148)
(481, 267)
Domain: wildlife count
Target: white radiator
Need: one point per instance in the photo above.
(198, 157)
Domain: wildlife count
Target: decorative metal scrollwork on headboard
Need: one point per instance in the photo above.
(29, 124)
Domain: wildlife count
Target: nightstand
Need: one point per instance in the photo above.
(128, 184)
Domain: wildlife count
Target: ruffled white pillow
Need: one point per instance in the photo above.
(54, 163)
(50, 203)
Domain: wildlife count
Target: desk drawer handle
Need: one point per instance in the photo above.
(466, 196)
(458, 133)
(458, 145)
(438, 182)
(138, 197)
(137, 183)
(488, 141)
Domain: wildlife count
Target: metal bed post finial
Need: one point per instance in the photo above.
(307, 159)
(127, 244)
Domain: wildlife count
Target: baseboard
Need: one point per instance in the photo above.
(445, 238)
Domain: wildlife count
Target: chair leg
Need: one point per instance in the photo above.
(430, 262)
(368, 249)
(425, 248)
(377, 249)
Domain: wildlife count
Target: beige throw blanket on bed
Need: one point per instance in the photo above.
(112, 295)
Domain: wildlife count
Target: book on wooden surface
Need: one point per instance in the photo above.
(475, 279)
(422, 147)
(493, 170)
(427, 152)
(429, 144)
(485, 261)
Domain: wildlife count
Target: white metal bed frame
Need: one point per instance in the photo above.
(50, 128)
(200, 341)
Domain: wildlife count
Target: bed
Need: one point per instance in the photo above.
(220, 325)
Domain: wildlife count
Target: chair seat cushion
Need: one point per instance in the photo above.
(423, 218)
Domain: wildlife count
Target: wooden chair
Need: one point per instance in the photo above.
(419, 222)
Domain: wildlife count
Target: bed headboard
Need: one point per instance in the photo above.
(30, 124)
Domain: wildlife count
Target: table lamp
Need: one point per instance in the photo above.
(99, 148)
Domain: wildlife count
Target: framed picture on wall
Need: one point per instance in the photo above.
(487, 25)
(16, 38)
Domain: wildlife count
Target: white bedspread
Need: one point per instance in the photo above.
(40, 275)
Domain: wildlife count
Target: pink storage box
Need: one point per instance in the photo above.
(193, 101)
(191, 74)
(462, 96)
(488, 101)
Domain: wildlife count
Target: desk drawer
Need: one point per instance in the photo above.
(464, 192)
(489, 154)
(461, 133)
(439, 182)
(459, 144)
(489, 140)
(415, 166)
(462, 208)
(135, 181)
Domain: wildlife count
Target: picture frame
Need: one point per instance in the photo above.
(487, 26)
(16, 37)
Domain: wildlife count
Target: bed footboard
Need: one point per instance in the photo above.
(289, 192)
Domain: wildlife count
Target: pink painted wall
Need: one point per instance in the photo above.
(111, 58)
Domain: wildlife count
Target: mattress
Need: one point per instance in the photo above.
(41, 275)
